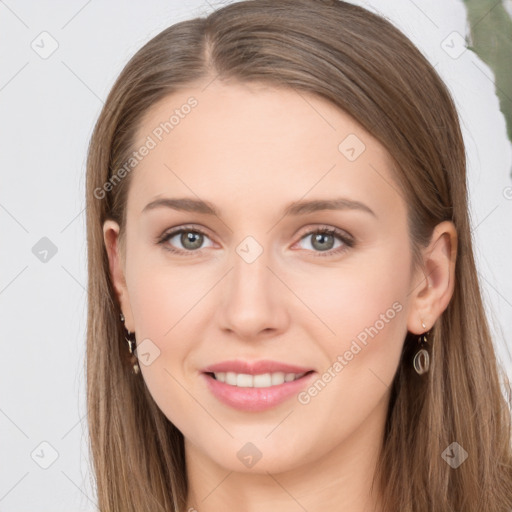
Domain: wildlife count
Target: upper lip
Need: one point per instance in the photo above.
(255, 367)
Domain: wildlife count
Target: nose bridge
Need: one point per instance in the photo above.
(251, 277)
(252, 300)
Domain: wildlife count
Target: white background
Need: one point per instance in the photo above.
(47, 111)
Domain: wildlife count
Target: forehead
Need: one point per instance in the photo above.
(243, 142)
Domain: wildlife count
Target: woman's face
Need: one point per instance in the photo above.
(260, 280)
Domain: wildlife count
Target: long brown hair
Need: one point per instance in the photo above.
(361, 63)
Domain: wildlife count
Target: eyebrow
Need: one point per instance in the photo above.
(294, 209)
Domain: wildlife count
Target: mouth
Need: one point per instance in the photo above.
(258, 392)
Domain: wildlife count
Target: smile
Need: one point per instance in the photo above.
(256, 393)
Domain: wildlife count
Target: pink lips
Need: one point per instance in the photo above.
(257, 367)
(255, 399)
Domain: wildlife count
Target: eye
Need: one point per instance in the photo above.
(191, 239)
(323, 240)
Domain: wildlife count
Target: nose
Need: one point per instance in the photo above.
(253, 299)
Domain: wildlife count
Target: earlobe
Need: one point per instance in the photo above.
(432, 296)
(116, 266)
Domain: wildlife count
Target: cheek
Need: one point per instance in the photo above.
(171, 307)
(166, 298)
(363, 312)
(355, 295)
(167, 304)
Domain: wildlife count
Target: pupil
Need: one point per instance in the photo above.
(320, 237)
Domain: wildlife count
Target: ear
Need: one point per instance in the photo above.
(117, 272)
(434, 284)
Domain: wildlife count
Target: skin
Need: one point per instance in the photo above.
(250, 150)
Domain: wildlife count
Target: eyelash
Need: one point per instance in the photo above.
(348, 241)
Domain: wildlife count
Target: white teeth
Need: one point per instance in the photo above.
(278, 378)
(230, 378)
(243, 380)
(265, 380)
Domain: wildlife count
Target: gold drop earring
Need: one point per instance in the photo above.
(132, 344)
(421, 361)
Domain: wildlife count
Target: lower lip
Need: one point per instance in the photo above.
(255, 399)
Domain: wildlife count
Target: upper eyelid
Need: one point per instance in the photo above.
(176, 231)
